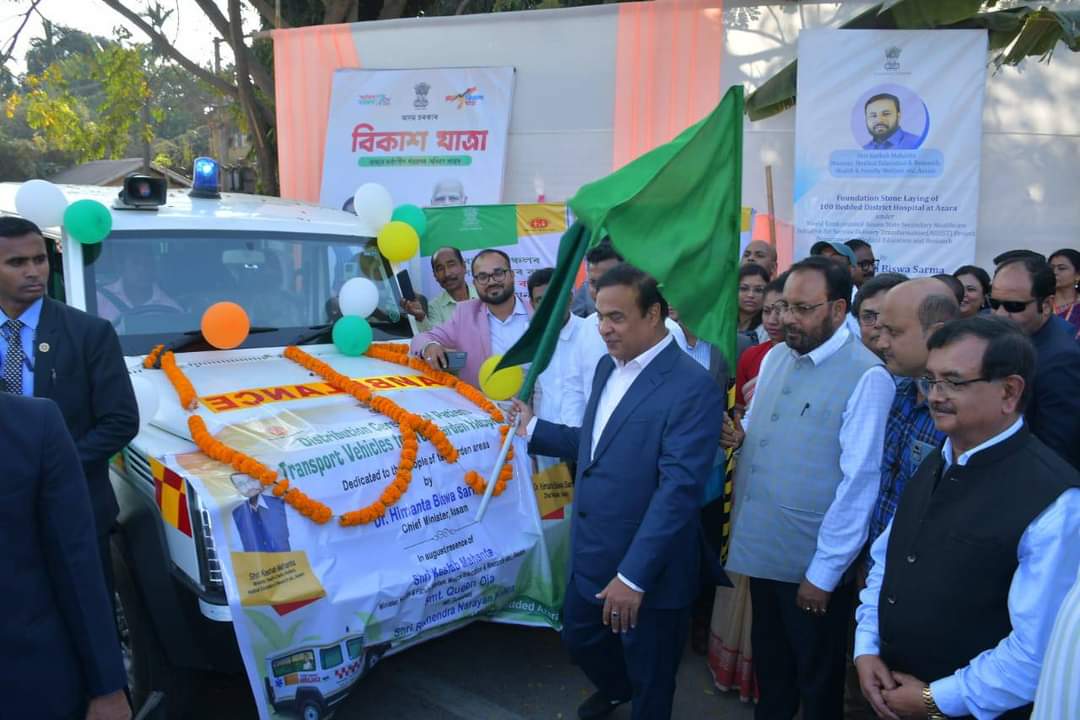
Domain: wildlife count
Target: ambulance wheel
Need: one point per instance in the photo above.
(311, 709)
(147, 668)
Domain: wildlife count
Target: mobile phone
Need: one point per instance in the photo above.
(455, 360)
(405, 284)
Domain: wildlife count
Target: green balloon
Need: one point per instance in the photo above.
(413, 216)
(352, 335)
(88, 221)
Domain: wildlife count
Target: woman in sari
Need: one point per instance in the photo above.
(730, 658)
(1066, 266)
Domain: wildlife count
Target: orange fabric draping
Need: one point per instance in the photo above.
(304, 63)
(667, 71)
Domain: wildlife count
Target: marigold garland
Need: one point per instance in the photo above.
(217, 450)
(150, 361)
(184, 389)
(410, 424)
(405, 419)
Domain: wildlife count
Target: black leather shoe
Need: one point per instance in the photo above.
(598, 706)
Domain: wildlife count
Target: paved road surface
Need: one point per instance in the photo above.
(484, 672)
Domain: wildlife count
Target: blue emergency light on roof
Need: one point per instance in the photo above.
(205, 182)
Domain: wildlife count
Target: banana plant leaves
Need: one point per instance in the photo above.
(1015, 33)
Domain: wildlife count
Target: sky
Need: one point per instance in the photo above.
(188, 28)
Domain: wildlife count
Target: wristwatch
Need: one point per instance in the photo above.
(933, 712)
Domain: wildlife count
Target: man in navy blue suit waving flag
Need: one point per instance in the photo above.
(644, 451)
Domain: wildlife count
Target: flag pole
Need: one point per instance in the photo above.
(558, 298)
(494, 476)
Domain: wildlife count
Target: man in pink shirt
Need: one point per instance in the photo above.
(481, 328)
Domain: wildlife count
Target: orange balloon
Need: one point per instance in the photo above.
(225, 325)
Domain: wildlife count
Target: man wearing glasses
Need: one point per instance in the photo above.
(1022, 291)
(865, 262)
(968, 576)
(867, 307)
(808, 476)
(481, 328)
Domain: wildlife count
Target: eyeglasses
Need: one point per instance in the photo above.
(752, 289)
(949, 387)
(799, 310)
(496, 274)
(865, 265)
(1011, 306)
(869, 318)
(767, 310)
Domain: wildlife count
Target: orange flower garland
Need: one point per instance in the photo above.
(217, 450)
(150, 361)
(391, 354)
(184, 389)
(410, 424)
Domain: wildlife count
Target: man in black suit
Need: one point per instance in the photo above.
(50, 350)
(1022, 291)
(644, 450)
(59, 637)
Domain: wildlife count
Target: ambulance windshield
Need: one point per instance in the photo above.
(154, 287)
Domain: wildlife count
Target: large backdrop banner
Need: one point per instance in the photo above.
(432, 137)
(887, 144)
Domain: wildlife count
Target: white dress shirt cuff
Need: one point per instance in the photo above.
(866, 643)
(948, 698)
(629, 584)
(821, 575)
(530, 428)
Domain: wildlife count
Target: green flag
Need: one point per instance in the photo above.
(538, 342)
(675, 212)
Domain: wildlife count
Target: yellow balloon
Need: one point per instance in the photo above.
(398, 241)
(502, 385)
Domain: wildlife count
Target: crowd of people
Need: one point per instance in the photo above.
(875, 511)
(905, 497)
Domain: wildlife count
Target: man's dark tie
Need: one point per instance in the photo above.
(14, 357)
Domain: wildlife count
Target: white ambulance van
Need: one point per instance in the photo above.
(308, 680)
(284, 262)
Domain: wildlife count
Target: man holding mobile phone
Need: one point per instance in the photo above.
(481, 328)
(448, 267)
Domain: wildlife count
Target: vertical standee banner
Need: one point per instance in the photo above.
(888, 132)
(432, 137)
(529, 234)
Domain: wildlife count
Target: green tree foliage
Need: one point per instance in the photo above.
(88, 104)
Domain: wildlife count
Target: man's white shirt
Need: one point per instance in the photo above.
(504, 333)
(549, 399)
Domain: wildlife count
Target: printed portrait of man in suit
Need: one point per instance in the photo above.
(260, 521)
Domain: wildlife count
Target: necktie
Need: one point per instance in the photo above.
(14, 357)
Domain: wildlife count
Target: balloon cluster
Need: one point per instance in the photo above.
(398, 237)
(398, 229)
(45, 205)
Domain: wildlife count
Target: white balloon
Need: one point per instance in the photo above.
(146, 397)
(358, 296)
(373, 205)
(41, 202)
